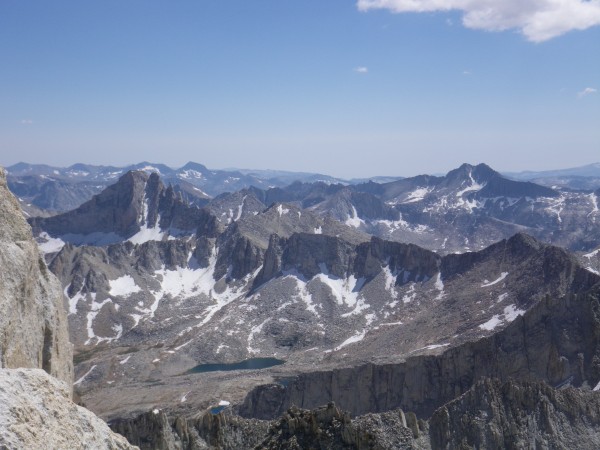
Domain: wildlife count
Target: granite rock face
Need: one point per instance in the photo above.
(155, 431)
(36, 412)
(329, 427)
(33, 323)
(510, 415)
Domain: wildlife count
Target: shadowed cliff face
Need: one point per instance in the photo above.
(556, 341)
(33, 323)
(138, 202)
(513, 415)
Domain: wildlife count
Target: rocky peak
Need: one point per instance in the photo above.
(467, 175)
(138, 207)
(411, 261)
(117, 209)
(190, 165)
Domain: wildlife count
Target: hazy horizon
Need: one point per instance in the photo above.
(350, 89)
(178, 166)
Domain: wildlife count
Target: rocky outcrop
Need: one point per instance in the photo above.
(329, 427)
(36, 412)
(33, 324)
(155, 431)
(325, 427)
(510, 415)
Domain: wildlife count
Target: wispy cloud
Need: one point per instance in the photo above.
(361, 69)
(587, 91)
(537, 20)
(466, 72)
(26, 122)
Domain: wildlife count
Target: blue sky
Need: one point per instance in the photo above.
(374, 87)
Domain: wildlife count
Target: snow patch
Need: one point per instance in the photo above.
(430, 347)
(557, 207)
(240, 209)
(474, 186)
(123, 286)
(491, 324)
(47, 244)
(303, 294)
(502, 297)
(353, 220)
(254, 331)
(417, 195)
(496, 281)
(281, 210)
(147, 234)
(351, 340)
(390, 282)
(150, 169)
(73, 301)
(592, 254)
(439, 285)
(345, 291)
(511, 313)
(84, 376)
(410, 295)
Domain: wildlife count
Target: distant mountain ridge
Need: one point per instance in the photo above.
(44, 189)
(584, 177)
(467, 209)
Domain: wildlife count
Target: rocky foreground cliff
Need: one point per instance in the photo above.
(36, 357)
(33, 320)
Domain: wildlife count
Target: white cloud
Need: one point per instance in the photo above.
(361, 69)
(538, 20)
(587, 91)
(26, 122)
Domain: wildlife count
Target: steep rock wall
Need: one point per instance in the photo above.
(33, 323)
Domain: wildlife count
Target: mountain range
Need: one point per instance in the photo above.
(410, 303)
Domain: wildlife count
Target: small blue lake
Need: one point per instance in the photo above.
(248, 364)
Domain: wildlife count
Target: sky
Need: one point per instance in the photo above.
(350, 88)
